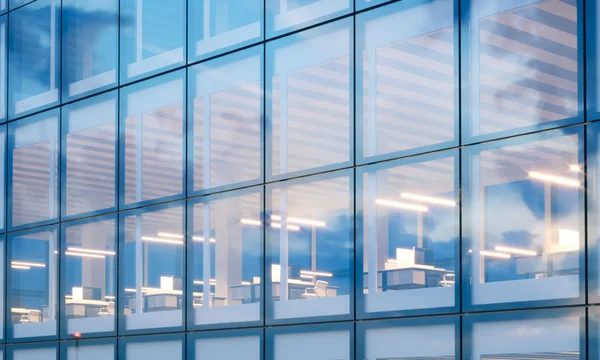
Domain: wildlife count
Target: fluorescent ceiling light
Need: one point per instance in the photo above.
(92, 251)
(401, 205)
(495, 254)
(170, 235)
(575, 168)
(429, 199)
(246, 283)
(161, 240)
(251, 222)
(560, 180)
(200, 239)
(516, 251)
(20, 267)
(301, 221)
(28, 263)
(289, 227)
(71, 253)
(201, 282)
(316, 273)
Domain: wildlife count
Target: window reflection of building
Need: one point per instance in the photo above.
(288, 14)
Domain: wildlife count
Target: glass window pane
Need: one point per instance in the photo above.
(216, 26)
(89, 350)
(408, 339)
(593, 208)
(548, 334)
(523, 216)
(324, 343)
(2, 285)
(3, 138)
(89, 46)
(33, 169)
(309, 100)
(226, 346)
(410, 234)
(16, 3)
(363, 4)
(153, 121)
(287, 15)
(406, 86)
(310, 247)
(89, 129)
(89, 275)
(32, 289)
(3, 62)
(152, 37)
(230, 261)
(152, 347)
(33, 352)
(152, 268)
(226, 103)
(34, 68)
(522, 60)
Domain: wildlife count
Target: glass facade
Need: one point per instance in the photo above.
(293, 179)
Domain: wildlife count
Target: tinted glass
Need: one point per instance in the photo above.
(34, 57)
(33, 169)
(309, 247)
(90, 35)
(3, 63)
(152, 37)
(152, 347)
(225, 103)
(16, 3)
(33, 352)
(406, 84)
(521, 66)
(524, 220)
(3, 142)
(229, 262)
(593, 208)
(219, 25)
(89, 147)
(89, 275)
(231, 345)
(152, 143)
(309, 100)
(89, 350)
(287, 15)
(152, 268)
(409, 240)
(325, 342)
(32, 283)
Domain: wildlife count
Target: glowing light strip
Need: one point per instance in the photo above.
(429, 199)
(575, 168)
(295, 220)
(251, 222)
(160, 240)
(85, 255)
(554, 179)
(512, 250)
(401, 205)
(91, 251)
(170, 235)
(289, 227)
(246, 283)
(28, 263)
(200, 239)
(200, 282)
(20, 267)
(316, 273)
(495, 254)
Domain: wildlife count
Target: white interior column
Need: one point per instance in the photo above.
(139, 43)
(206, 255)
(228, 262)
(139, 245)
(283, 198)
(547, 225)
(478, 222)
(206, 164)
(52, 238)
(93, 271)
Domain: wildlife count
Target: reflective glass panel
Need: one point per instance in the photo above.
(229, 262)
(89, 275)
(152, 144)
(523, 220)
(226, 103)
(33, 352)
(34, 57)
(33, 169)
(219, 25)
(16, 3)
(152, 268)
(2, 285)
(3, 63)
(153, 347)
(309, 100)
(593, 208)
(152, 37)
(32, 283)
(89, 350)
(521, 66)
(547, 334)
(3, 138)
(324, 343)
(90, 52)
(287, 15)
(310, 247)
(409, 213)
(406, 85)
(89, 136)
(230, 345)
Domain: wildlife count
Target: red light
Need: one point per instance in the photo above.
(77, 335)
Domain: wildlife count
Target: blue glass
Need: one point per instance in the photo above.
(288, 15)
(408, 250)
(2, 285)
(216, 26)
(592, 21)
(522, 69)
(225, 345)
(331, 341)
(230, 261)
(3, 64)
(103, 349)
(34, 58)
(3, 144)
(363, 4)
(41, 351)
(152, 127)
(225, 130)
(523, 221)
(32, 287)
(594, 332)
(89, 156)
(170, 347)
(541, 334)
(424, 338)
(593, 209)
(15, 3)
(33, 145)
(309, 101)
(90, 50)
(310, 237)
(152, 269)
(89, 276)
(407, 86)
(152, 37)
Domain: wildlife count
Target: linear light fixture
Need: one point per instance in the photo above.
(170, 235)
(95, 256)
(306, 276)
(429, 199)
(401, 205)
(251, 222)
(21, 267)
(91, 251)
(246, 283)
(316, 273)
(28, 263)
(301, 221)
(201, 282)
(201, 239)
(161, 240)
(516, 251)
(289, 227)
(560, 180)
(495, 254)
(575, 168)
